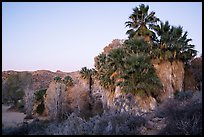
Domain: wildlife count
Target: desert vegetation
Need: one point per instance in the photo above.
(40, 100)
(14, 90)
(132, 67)
(182, 117)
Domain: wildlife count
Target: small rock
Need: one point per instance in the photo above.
(149, 125)
(157, 119)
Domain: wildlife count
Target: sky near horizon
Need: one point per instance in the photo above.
(67, 36)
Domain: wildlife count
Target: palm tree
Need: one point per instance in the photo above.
(161, 50)
(115, 58)
(139, 76)
(141, 22)
(57, 79)
(103, 70)
(100, 61)
(172, 43)
(135, 46)
(87, 74)
(187, 51)
(68, 80)
(115, 61)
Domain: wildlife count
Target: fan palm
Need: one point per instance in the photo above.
(87, 74)
(57, 79)
(115, 58)
(139, 21)
(135, 46)
(173, 44)
(68, 80)
(139, 75)
(100, 61)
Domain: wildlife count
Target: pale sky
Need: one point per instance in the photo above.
(67, 36)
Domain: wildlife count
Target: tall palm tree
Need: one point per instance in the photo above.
(87, 74)
(187, 51)
(103, 70)
(115, 61)
(163, 32)
(141, 22)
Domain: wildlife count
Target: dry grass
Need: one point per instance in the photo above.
(184, 117)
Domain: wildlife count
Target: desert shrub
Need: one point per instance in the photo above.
(184, 95)
(182, 118)
(106, 124)
(36, 127)
(186, 121)
(39, 98)
(40, 108)
(13, 87)
(71, 126)
(22, 130)
(39, 94)
(12, 90)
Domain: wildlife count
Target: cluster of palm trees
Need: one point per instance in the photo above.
(67, 80)
(128, 68)
(148, 38)
(165, 42)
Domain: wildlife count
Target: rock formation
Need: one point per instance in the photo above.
(61, 99)
(55, 99)
(171, 76)
(29, 83)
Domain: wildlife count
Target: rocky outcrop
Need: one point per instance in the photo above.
(55, 100)
(193, 75)
(28, 82)
(74, 98)
(171, 75)
(61, 99)
(42, 78)
(123, 102)
(116, 43)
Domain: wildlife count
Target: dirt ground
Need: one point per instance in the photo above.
(11, 119)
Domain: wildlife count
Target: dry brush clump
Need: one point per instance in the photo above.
(184, 117)
(106, 124)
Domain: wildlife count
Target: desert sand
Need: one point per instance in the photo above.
(11, 119)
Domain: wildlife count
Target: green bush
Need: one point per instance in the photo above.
(39, 98)
(184, 95)
(12, 90)
(39, 94)
(40, 108)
